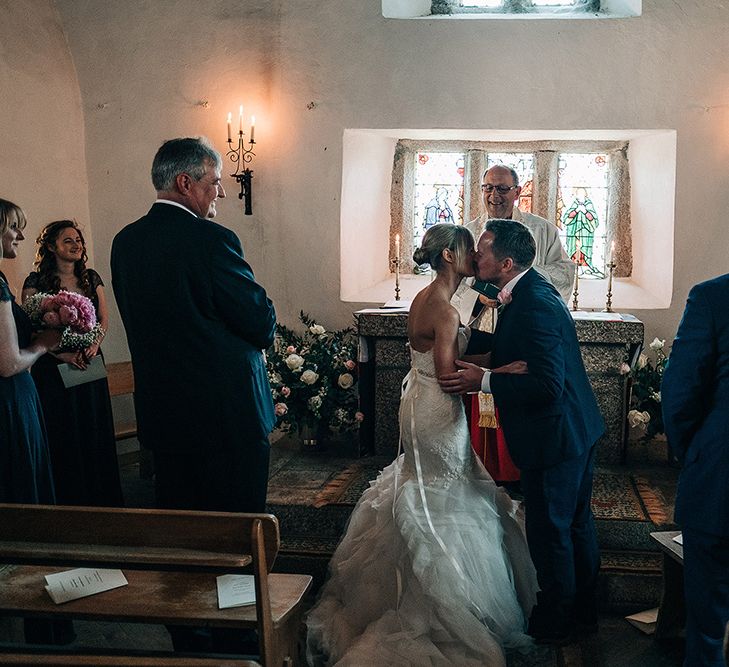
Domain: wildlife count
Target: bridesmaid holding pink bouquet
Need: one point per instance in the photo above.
(79, 419)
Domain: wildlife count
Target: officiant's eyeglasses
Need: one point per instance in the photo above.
(501, 189)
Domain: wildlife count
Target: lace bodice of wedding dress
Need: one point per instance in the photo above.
(434, 567)
(433, 428)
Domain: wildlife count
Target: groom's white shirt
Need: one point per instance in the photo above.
(486, 379)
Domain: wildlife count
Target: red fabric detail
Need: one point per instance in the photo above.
(490, 445)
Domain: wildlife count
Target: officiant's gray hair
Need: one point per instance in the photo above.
(188, 155)
(512, 239)
(455, 238)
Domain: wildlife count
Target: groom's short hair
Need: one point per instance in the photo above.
(512, 239)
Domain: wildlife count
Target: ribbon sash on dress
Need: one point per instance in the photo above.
(410, 391)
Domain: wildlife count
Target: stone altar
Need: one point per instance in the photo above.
(606, 341)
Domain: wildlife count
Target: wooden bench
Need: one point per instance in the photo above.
(120, 377)
(672, 610)
(115, 660)
(170, 559)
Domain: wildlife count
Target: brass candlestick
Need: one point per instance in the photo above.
(609, 303)
(577, 287)
(396, 263)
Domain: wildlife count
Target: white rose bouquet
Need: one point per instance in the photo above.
(313, 377)
(645, 416)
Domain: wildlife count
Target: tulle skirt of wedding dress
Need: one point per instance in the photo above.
(444, 579)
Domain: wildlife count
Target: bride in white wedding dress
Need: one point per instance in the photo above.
(434, 568)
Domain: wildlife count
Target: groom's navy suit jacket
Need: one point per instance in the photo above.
(549, 415)
(695, 396)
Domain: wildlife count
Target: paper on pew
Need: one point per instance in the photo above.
(235, 590)
(82, 582)
(645, 621)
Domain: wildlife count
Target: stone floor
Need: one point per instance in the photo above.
(617, 644)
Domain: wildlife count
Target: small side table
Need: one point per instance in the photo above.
(672, 610)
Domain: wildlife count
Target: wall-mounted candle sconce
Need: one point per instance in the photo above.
(241, 156)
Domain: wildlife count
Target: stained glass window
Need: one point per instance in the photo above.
(582, 192)
(438, 191)
(523, 3)
(523, 165)
(519, 6)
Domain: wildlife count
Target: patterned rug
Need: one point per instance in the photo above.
(627, 497)
(318, 480)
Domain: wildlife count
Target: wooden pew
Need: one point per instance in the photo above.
(170, 559)
(120, 377)
(101, 660)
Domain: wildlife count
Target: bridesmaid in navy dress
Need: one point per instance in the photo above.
(79, 419)
(25, 469)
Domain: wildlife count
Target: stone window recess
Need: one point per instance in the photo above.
(515, 6)
(582, 186)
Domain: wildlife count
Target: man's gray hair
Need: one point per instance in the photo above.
(189, 155)
(514, 175)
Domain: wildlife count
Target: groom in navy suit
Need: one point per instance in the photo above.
(551, 421)
(694, 397)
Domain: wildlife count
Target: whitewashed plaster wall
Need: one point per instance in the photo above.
(144, 66)
(42, 165)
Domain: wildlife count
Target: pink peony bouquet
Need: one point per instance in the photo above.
(72, 312)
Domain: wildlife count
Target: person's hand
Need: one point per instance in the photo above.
(91, 351)
(76, 359)
(48, 339)
(489, 303)
(466, 379)
(515, 367)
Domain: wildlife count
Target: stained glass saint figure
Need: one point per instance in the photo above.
(579, 221)
(437, 209)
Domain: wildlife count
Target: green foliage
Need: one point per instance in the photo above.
(313, 377)
(645, 400)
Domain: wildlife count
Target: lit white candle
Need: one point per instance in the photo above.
(230, 119)
(253, 128)
(612, 251)
(397, 247)
(240, 119)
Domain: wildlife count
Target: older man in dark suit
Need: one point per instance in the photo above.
(196, 323)
(695, 395)
(551, 422)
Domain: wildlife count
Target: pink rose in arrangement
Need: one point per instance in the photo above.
(349, 365)
(52, 319)
(69, 309)
(285, 391)
(290, 349)
(359, 416)
(280, 409)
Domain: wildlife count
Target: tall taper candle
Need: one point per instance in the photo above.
(240, 120)
(230, 118)
(253, 128)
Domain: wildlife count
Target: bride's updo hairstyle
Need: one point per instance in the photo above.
(440, 237)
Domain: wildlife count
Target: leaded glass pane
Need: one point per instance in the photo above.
(582, 210)
(523, 165)
(555, 3)
(438, 191)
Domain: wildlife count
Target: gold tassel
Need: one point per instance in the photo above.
(487, 411)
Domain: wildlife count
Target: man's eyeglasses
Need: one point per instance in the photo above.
(501, 189)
